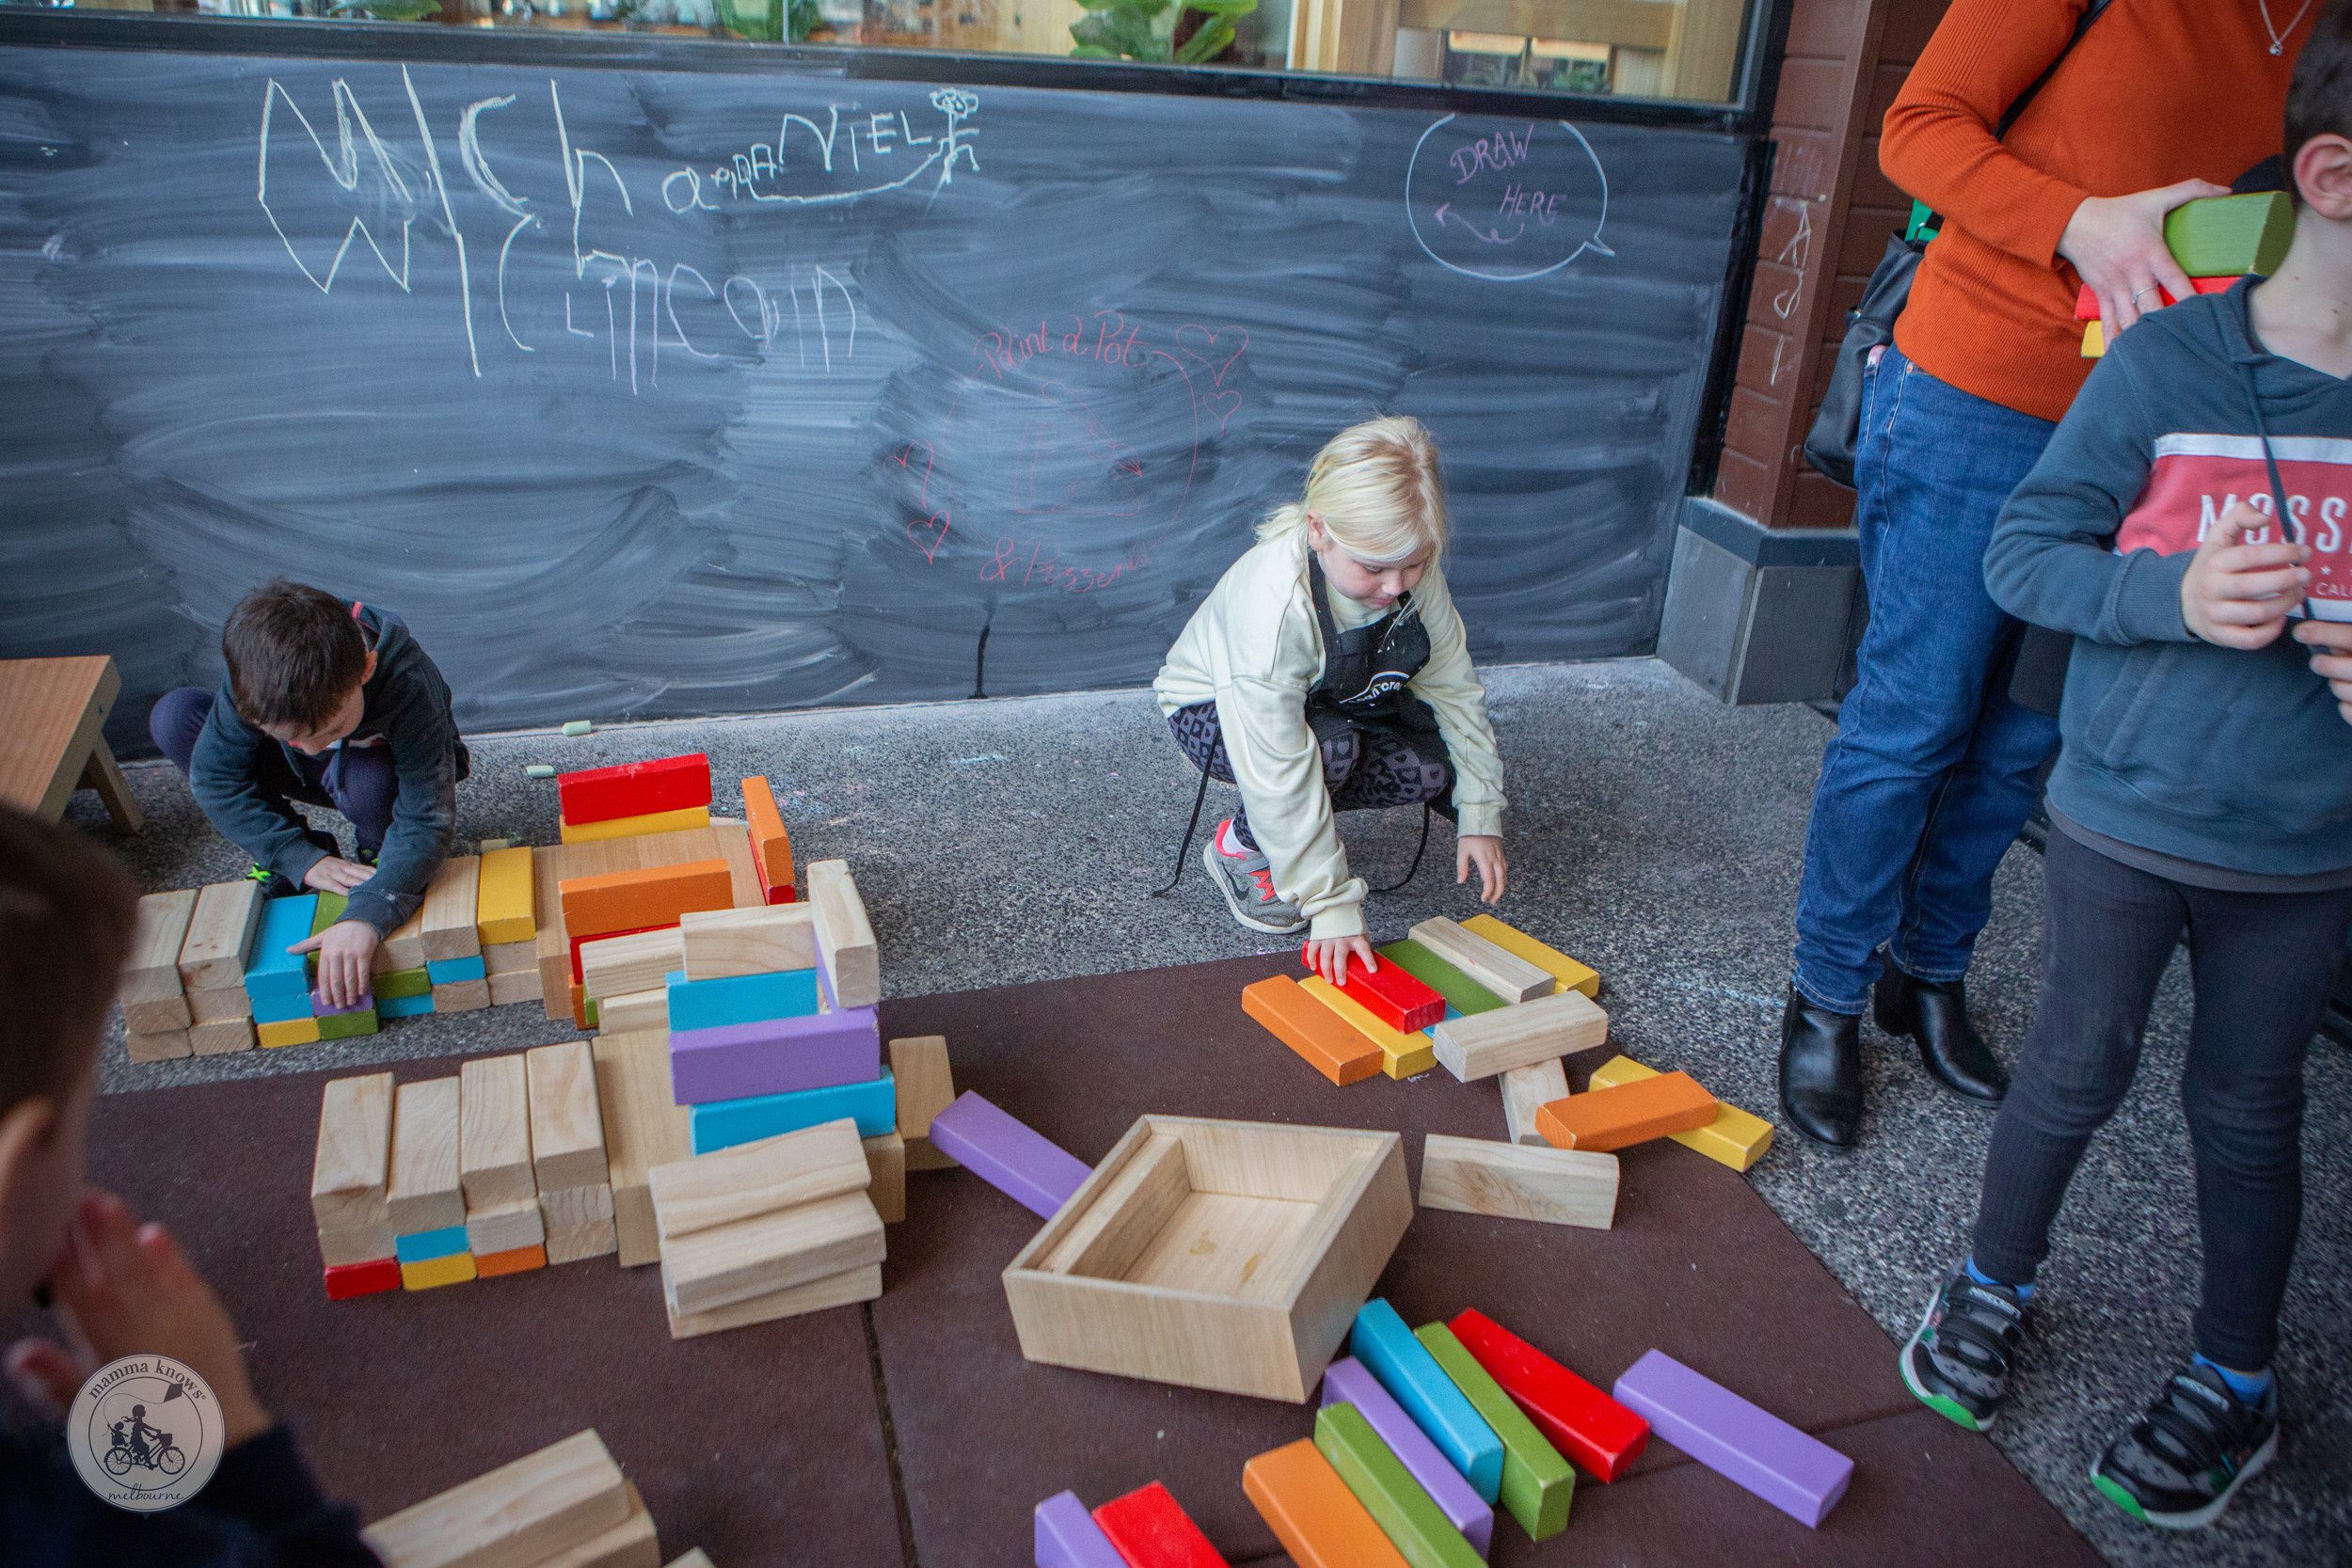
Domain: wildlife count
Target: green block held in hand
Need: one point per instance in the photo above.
(2223, 236)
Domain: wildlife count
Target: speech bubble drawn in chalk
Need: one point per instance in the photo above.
(1515, 200)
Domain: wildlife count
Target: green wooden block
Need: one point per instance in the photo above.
(402, 982)
(1418, 1529)
(2222, 236)
(1538, 1483)
(331, 907)
(343, 1026)
(1462, 993)
(589, 1010)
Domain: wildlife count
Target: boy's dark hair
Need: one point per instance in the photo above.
(66, 916)
(2319, 99)
(293, 654)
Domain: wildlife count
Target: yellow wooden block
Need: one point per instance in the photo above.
(295, 1031)
(504, 905)
(454, 1270)
(1402, 1055)
(630, 826)
(1571, 975)
(2094, 339)
(1734, 1138)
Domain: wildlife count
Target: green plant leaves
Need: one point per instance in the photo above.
(1206, 44)
(1143, 30)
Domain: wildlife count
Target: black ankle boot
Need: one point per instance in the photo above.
(1821, 1071)
(1936, 1012)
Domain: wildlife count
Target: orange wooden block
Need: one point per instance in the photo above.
(1311, 1512)
(1339, 1052)
(521, 1259)
(634, 900)
(771, 847)
(1629, 1114)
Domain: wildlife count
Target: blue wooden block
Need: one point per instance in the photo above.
(403, 1007)
(425, 1246)
(271, 1008)
(271, 970)
(1413, 1378)
(447, 972)
(740, 999)
(1432, 1030)
(725, 1123)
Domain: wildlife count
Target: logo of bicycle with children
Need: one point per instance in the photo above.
(146, 1434)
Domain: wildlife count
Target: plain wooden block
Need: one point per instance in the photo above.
(1499, 970)
(522, 987)
(631, 1543)
(636, 1013)
(422, 1191)
(1502, 1038)
(840, 1289)
(615, 966)
(1527, 1090)
(494, 1132)
(159, 1016)
(1607, 1120)
(567, 1126)
(220, 1005)
(720, 943)
(506, 903)
(1313, 1031)
(222, 1038)
(1558, 1186)
(510, 958)
(352, 1169)
(772, 1252)
(494, 1227)
(579, 1223)
(448, 927)
(632, 827)
(771, 847)
(1129, 1213)
(887, 1160)
(1403, 1053)
(403, 948)
(641, 1129)
(1736, 1138)
(343, 1246)
(696, 1558)
(927, 1086)
(1311, 1512)
(635, 900)
(161, 1046)
(1570, 973)
(706, 1191)
(220, 934)
(152, 973)
(845, 938)
(461, 996)
(517, 1516)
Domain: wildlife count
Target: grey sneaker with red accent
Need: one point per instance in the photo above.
(1246, 877)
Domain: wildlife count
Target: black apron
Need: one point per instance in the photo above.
(1362, 686)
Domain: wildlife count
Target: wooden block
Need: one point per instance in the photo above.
(1150, 1530)
(701, 1193)
(772, 1252)
(270, 969)
(352, 1169)
(405, 1007)
(293, 1031)
(507, 906)
(631, 1543)
(345, 1245)
(447, 928)
(840, 1289)
(723, 943)
(370, 1279)
(615, 966)
(725, 1123)
(222, 1038)
(1736, 1137)
(550, 867)
(771, 847)
(1347, 1381)
(490, 1265)
(1527, 1090)
(641, 1129)
(1403, 1053)
(1567, 972)
(927, 1086)
(886, 1161)
(1496, 968)
(422, 1191)
(503, 1227)
(221, 1004)
(2094, 341)
(1557, 1186)
(2086, 302)
(1311, 1512)
(393, 984)
(1128, 1215)
(1495, 1042)
(1008, 1155)
(633, 788)
(1538, 1486)
(1393, 1499)
(1796, 1473)
(461, 996)
(162, 1045)
(447, 972)
(510, 958)
(567, 1126)
(1393, 996)
(404, 948)
(424, 1246)
(1461, 994)
(1316, 1034)
(166, 1016)
(1608, 1120)
(639, 899)
(636, 1013)
(696, 1558)
(152, 973)
(579, 1223)
(1066, 1536)
(219, 936)
(1583, 1423)
(634, 827)
(2219, 236)
(742, 999)
(845, 938)
(348, 1024)
(456, 1268)
(494, 1133)
(1413, 1378)
(734, 847)
(517, 1516)
(523, 986)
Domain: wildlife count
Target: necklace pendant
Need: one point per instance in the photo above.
(2276, 49)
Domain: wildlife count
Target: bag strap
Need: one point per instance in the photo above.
(2000, 133)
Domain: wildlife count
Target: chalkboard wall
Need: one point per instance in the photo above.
(657, 390)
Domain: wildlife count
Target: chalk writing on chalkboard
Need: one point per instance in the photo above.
(1505, 201)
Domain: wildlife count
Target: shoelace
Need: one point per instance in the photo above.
(2193, 1428)
(1979, 1329)
(1265, 886)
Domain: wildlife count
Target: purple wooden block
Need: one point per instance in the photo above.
(1801, 1476)
(1006, 1155)
(1348, 1381)
(319, 1008)
(775, 1055)
(1068, 1537)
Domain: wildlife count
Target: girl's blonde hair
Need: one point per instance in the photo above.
(1377, 490)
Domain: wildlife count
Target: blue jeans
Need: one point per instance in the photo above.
(1933, 769)
(360, 782)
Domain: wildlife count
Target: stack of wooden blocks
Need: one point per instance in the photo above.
(2216, 240)
(665, 795)
(277, 983)
(568, 1506)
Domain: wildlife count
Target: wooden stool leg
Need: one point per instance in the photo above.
(102, 774)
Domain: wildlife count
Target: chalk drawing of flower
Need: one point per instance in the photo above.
(955, 102)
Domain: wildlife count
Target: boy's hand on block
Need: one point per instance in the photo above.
(2237, 594)
(125, 1288)
(1327, 957)
(346, 952)
(1484, 851)
(332, 874)
(2331, 659)
(2117, 245)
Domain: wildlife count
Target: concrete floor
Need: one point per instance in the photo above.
(1654, 834)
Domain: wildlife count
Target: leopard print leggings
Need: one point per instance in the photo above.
(1361, 768)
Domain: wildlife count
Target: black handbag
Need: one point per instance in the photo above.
(1837, 429)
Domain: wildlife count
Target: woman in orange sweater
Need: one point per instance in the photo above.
(1934, 769)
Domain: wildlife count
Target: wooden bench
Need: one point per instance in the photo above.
(53, 741)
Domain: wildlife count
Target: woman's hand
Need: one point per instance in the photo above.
(2116, 243)
(1327, 957)
(1484, 851)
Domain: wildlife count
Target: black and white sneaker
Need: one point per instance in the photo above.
(1957, 1363)
(2182, 1462)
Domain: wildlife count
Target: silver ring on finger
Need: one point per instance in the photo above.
(2149, 290)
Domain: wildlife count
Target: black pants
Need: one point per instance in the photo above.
(1361, 768)
(2260, 964)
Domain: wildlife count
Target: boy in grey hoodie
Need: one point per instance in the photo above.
(2205, 787)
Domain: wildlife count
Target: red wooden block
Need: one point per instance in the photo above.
(634, 790)
(348, 1280)
(1592, 1428)
(1151, 1531)
(1394, 997)
(2087, 303)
